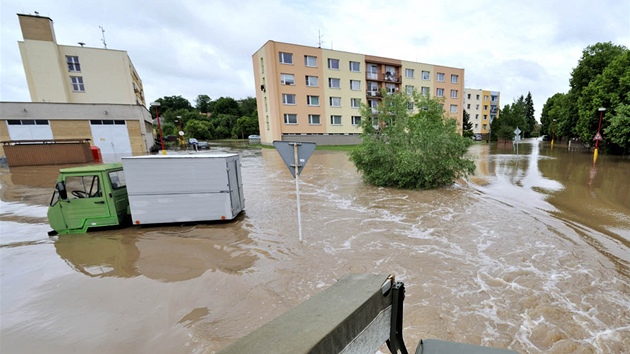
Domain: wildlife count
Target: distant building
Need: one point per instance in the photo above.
(77, 92)
(483, 107)
(314, 94)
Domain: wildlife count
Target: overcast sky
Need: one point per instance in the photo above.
(192, 47)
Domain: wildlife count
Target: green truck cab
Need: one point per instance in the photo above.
(89, 197)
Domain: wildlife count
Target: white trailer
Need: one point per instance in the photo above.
(183, 188)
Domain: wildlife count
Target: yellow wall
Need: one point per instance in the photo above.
(45, 77)
(345, 75)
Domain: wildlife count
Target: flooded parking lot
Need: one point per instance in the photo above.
(533, 254)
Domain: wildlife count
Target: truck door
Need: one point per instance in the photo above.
(85, 202)
(235, 189)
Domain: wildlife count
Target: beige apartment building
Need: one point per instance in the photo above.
(77, 92)
(483, 107)
(314, 94)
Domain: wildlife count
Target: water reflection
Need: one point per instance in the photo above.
(169, 254)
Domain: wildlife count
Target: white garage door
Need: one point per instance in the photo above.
(29, 129)
(112, 137)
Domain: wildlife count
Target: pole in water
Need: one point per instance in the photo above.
(297, 190)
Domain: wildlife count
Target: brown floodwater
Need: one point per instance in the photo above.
(532, 254)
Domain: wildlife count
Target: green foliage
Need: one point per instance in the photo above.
(530, 120)
(200, 129)
(618, 131)
(245, 126)
(506, 132)
(518, 114)
(226, 105)
(247, 106)
(467, 126)
(171, 103)
(203, 103)
(418, 151)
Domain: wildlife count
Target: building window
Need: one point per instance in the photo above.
(410, 106)
(476, 125)
(454, 93)
(373, 87)
(312, 81)
(439, 92)
(440, 77)
(485, 107)
(468, 96)
(484, 127)
(355, 84)
(372, 72)
(391, 88)
(485, 97)
(468, 106)
(453, 108)
(77, 83)
(312, 100)
(477, 107)
(409, 73)
(286, 58)
(494, 98)
(334, 82)
(288, 98)
(355, 66)
(355, 102)
(290, 119)
(356, 120)
(409, 89)
(27, 122)
(333, 64)
(287, 79)
(335, 120)
(425, 90)
(73, 63)
(335, 102)
(485, 116)
(310, 61)
(314, 119)
(426, 75)
(477, 99)
(454, 79)
(476, 116)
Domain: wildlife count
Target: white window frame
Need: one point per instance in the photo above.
(439, 92)
(310, 100)
(288, 117)
(311, 119)
(454, 79)
(334, 80)
(409, 89)
(439, 77)
(372, 73)
(73, 63)
(426, 75)
(425, 90)
(335, 117)
(77, 83)
(335, 101)
(454, 93)
(453, 108)
(356, 120)
(310, 61)
(355, 85)
(333, 64)
(409, 73)
(355, 102)
(287, 79)
(285, 58)
(288, 99)
(310, 79)
(353, 68)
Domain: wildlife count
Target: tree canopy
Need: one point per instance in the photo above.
(518, 114)
(419, 150)
(600, 80)
(223, 118)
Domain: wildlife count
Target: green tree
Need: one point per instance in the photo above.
(171, 103)
(247, 106)
(226, 105)
(530, 120)
(245, 126)
(467, 126)
(506, 133)
(203, 103)
(618, 131)
(200, 129)
(418, 151)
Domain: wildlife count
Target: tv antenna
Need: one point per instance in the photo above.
(319, 39)
(103, 40)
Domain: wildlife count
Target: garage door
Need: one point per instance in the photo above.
(112, 137)
(29, 129)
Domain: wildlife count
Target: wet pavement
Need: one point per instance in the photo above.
(532, 254)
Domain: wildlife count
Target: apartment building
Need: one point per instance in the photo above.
(483, 107)
(77, 92)
(315, 94)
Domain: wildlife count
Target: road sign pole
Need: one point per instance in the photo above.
(297, 189)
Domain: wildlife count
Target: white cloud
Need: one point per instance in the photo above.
(193, 47)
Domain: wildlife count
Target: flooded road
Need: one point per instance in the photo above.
(533, 254)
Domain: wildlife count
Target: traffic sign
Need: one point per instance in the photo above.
(517, 131)
(286, 149)
(598, 137)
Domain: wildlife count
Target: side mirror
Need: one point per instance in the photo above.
(61, 188)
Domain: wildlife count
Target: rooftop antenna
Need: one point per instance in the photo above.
(103, 40)
(319, 42)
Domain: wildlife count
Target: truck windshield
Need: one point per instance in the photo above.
(83, 186)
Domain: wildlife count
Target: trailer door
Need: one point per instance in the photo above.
(235, 186)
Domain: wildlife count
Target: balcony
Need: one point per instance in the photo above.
(384, 77)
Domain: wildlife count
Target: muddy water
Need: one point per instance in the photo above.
(533, 254)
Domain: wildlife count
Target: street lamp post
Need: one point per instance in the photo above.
(157, 116)
(598, 136)
(180, 134)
